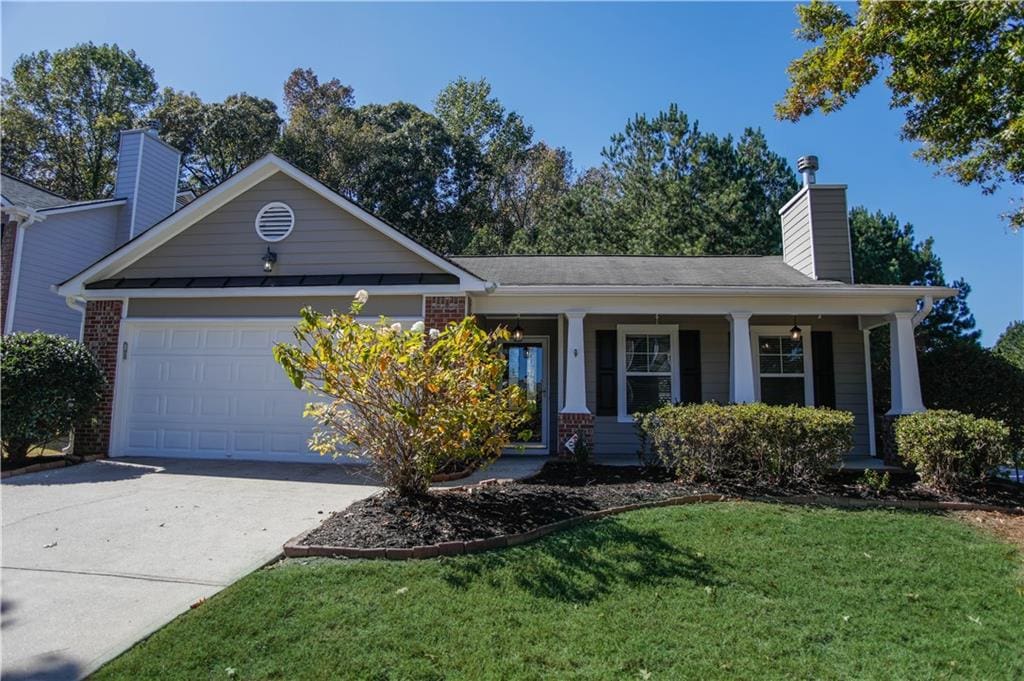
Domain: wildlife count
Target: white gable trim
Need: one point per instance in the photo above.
(178, 222)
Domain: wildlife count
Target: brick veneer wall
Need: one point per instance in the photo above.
(7, 238)
(101, 336)
(439, 310)
(575, 423)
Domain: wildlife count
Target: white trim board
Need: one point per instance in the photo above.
(219, 196)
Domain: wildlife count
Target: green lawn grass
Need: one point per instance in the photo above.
(731, 590)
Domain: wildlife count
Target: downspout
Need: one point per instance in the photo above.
(926, 309)
(78, 305)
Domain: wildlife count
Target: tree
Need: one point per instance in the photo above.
(62, 113)
(49, 383)
(1010, 345)
(408, 400)
(954, 66)
(666, 187)
(217, 139)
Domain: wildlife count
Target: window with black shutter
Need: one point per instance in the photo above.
(689, 367)
(823, 362)
(607, 361)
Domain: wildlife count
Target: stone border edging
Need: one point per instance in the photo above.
(294, 548)
(46, 466)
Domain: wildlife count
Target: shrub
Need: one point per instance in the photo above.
(406, 400)
(49, 383)
(973, 380)
(950, 449)
(770, 444)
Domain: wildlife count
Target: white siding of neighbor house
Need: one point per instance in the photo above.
(54, 250)
(325, 240)
(147, 175)
(613, 437)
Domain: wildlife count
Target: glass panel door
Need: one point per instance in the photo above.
(526, 369)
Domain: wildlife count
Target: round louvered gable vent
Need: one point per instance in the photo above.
(275, 221)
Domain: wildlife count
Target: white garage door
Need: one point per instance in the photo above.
(209, 389)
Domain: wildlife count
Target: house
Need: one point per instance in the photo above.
(47, 238)
(183, 317)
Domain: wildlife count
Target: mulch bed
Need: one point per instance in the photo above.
(560, 491)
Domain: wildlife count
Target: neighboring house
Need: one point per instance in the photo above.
(47, 238)
(183, 318)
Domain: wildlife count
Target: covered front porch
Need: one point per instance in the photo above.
(589, 371)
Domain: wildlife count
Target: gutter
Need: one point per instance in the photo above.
(929, 292)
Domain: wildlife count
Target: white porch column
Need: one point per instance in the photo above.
(906, 382)
(575, 366)
(741, 359)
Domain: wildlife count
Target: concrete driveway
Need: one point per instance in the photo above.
(99, 555)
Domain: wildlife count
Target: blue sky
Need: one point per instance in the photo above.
(576, 73)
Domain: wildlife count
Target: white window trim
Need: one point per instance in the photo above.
(624, 330)
(805, 339)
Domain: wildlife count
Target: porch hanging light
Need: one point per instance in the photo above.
(269, 258)
(795, 333)
(518, 333)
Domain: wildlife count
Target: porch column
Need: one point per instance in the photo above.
(575, 418)
(575, 366)
(741, 363)
(906, 382)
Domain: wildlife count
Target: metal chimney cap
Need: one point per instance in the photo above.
(805, 163)
(153, 126)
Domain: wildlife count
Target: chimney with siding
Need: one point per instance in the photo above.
(147, 176)
(816, 228)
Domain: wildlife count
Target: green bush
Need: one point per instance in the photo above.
(769, 444)
(950, 449)
(973, 380)
(49, 383)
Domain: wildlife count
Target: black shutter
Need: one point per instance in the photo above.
(824, 369)
(689, 367)
(607, 363)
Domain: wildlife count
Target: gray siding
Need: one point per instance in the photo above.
(325, 240)
(54, 250)
(155, 179)
(124, 180)
(816, 234)
(391, 306)
(831, 233)
(796, 237)
(613, 437)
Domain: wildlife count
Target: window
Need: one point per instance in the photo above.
(648, 368)
(783, 366)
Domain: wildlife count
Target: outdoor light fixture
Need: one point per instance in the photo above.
(518, 333)
(795, 333)
(269, 258)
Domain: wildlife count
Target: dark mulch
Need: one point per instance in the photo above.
(563, 490)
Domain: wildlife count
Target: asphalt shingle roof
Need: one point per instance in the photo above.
(619, 270)
(19, 193)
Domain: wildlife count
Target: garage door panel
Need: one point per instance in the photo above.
(210, 390)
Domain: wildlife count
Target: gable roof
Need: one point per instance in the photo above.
(25, 194)
(180, 220)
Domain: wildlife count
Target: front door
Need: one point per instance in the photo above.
(526, 369)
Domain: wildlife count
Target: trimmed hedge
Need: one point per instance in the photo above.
(950, 449)
(761, 442)
(49, 383)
